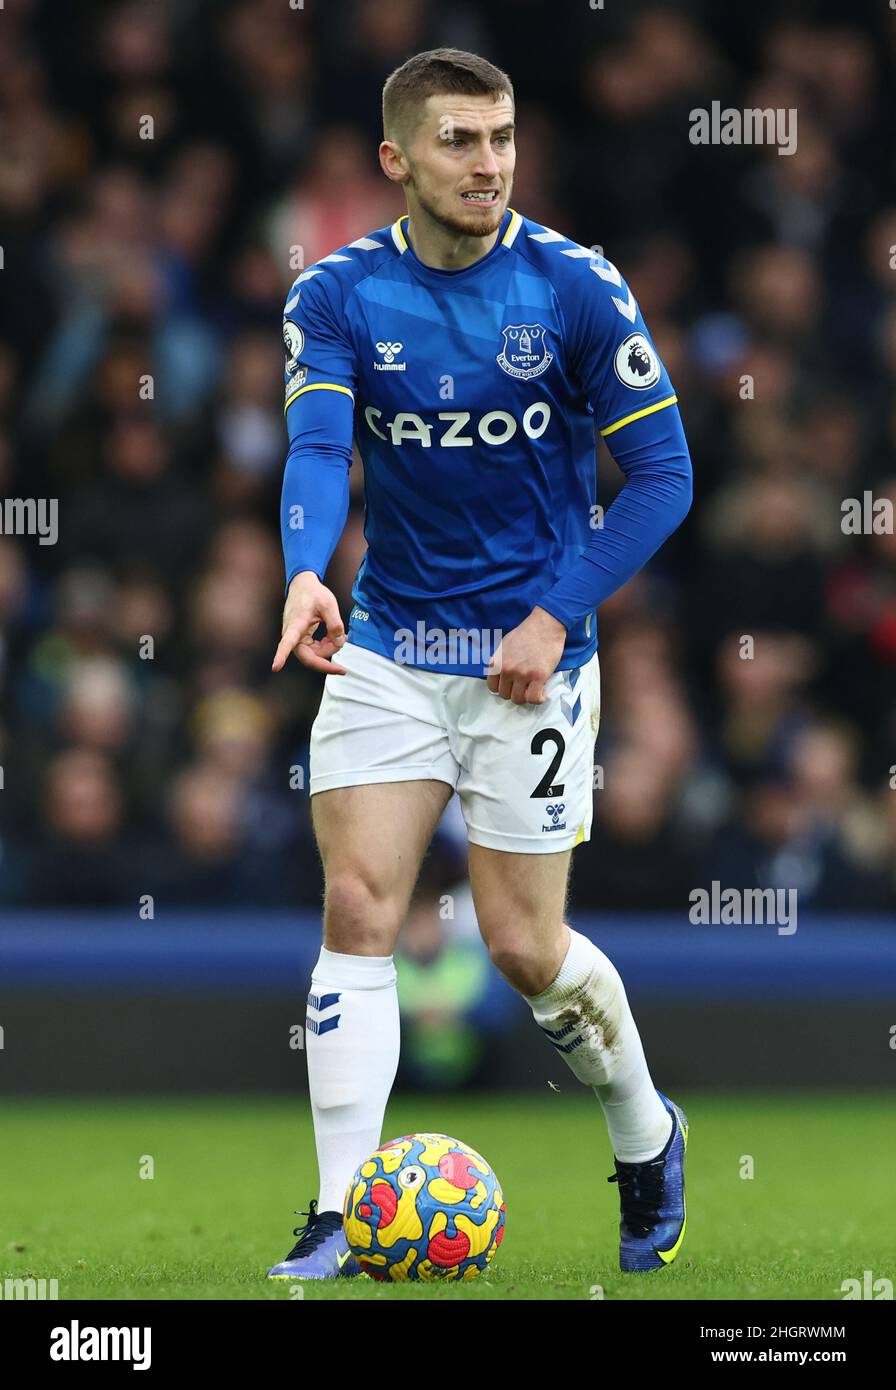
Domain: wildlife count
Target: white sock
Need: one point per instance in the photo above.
(586, 1016)
(351, 1039)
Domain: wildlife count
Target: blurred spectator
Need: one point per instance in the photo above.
(639, 860)
(449, 996)
(80, 855)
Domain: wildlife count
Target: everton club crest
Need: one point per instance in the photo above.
(525, 351)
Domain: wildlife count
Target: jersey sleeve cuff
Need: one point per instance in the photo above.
(556, 610)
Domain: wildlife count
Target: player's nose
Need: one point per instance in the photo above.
(486, 165)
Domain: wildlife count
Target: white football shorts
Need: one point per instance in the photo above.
(523, 773)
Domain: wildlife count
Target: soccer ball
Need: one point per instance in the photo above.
(424, 1207)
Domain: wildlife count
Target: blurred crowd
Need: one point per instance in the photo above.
(159, 164)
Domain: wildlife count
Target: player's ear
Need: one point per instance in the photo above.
(393, 162)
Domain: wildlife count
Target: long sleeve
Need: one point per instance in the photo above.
(634, 403)
(653, 455)
(315, 497)
(319, 380)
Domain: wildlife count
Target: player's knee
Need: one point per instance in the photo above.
(521, 964)
(359, 915)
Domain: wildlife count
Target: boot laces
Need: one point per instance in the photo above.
(641, 1188)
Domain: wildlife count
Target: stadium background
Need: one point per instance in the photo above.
(172, 772)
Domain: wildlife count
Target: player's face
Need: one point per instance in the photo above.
(461, 162)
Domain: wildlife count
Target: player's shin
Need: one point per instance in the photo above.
(585, 1015)
(352, 1044)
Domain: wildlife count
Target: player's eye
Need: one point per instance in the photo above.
(411, 1178)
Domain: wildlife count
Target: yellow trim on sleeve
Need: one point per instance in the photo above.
(319, 386)
(639, 415)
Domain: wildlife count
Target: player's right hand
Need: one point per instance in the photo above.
(308, 604)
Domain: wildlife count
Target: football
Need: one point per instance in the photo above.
(424, 1207)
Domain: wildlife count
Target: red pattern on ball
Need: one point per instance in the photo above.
(382, 1194)
(448, 1250)
(455, 1168)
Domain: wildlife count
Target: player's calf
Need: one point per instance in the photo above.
(584, 1014)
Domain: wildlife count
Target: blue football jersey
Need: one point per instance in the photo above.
(474, 396)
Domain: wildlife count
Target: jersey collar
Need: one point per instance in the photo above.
(510, 225)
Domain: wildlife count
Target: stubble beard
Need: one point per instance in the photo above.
(460, 226)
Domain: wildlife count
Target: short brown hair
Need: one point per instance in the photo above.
(434, 72)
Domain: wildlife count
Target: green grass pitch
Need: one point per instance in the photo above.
(228, 1172)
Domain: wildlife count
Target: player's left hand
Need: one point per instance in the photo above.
(526, 658)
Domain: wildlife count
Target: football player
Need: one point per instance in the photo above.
(472, 353)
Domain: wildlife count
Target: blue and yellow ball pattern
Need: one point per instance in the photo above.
(424, 1207)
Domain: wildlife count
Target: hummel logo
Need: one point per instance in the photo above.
(389, 352)
(555, 811)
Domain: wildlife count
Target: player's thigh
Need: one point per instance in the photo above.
(382, 771)
(380, 831)
(372, 840)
